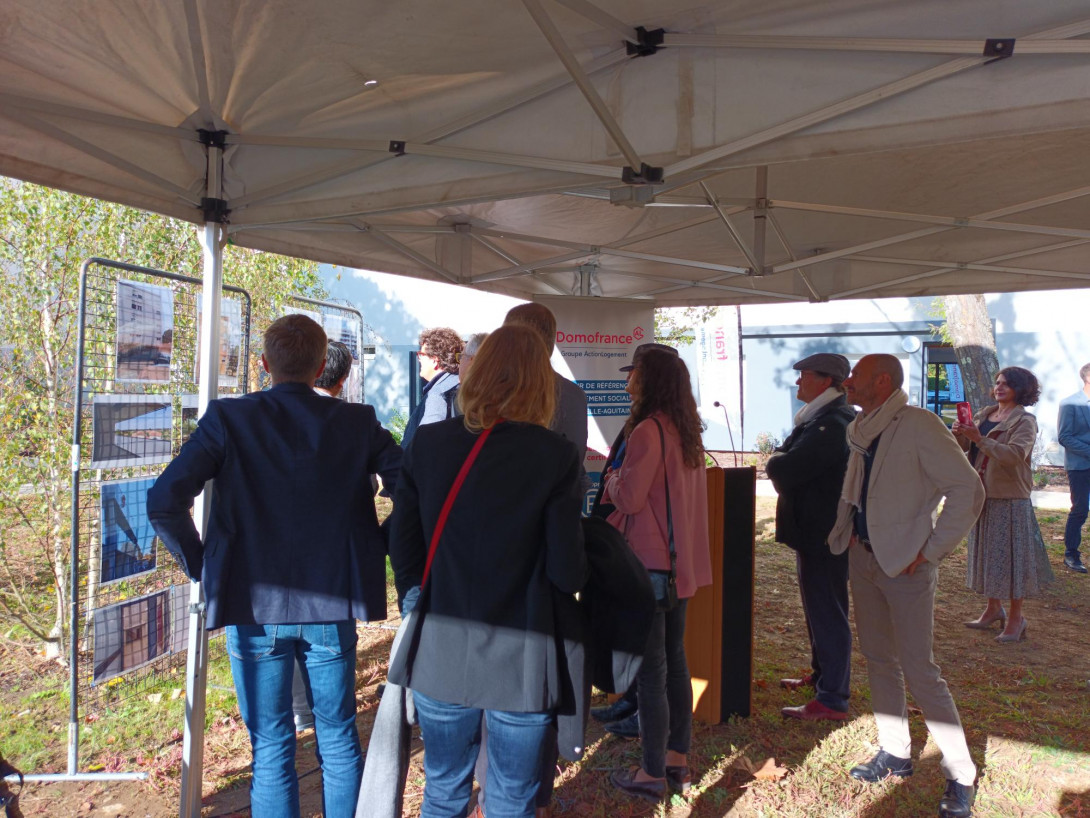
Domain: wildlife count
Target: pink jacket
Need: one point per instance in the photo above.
(637, 491)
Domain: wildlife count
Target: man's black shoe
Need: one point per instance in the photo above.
(620, 709)
(625, 728)
(1075, 565)
(881, 767)
(957, 802)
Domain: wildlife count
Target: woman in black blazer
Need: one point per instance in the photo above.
(486, 643)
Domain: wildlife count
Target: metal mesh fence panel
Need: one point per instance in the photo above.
(139, 405)
(341, 323)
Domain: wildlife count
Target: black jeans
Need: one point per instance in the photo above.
(1079, 481)
(665, 691)
(823, 585)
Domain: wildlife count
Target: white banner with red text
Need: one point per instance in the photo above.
(595, 337)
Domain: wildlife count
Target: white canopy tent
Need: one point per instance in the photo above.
(685, 152)
(774, 151)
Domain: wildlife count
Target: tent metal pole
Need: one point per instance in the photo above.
(879, 94)
(61, 135)
(666, 230)
(530, 266)
(42, 106)
(778, 230)
(602, 18)
(681, 262)
(816, 117)
(754, 263)
(1010, 210)
(383, 148)
(760, 217)
(207, 389)
(684, 284)
(404, 250)
(239, 223)
(979, 267)
(959, 48)
(582, 81)
(73, 552)
(948, 221)
(445, 130)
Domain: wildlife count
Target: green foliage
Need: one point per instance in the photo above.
(396, 426)
(677, 325)
(45, 235)
(767, 442)
(938, 311)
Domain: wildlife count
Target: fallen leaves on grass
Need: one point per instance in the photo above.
(768, 771)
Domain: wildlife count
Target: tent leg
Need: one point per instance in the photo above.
(208, 370)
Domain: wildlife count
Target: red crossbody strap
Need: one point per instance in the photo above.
(441, 523)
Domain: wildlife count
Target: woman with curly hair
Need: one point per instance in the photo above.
(1006, 553)
(440, 348)
(659, 492)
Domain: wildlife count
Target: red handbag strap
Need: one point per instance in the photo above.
(441, 523)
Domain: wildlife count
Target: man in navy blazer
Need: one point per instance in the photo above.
(293, 554)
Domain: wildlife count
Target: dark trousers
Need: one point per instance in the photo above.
(300, 707)
(665, 691)
(823, 584)
(1079, 481)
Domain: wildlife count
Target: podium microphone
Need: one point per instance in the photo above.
(718, 405)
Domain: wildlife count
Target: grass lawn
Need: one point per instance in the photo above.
(1025, 707)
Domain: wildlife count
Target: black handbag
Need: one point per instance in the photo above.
(664, 583)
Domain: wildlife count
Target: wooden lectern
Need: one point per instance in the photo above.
(719, 626)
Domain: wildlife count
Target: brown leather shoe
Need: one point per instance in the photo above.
(795, 684)
(625, 780)
(814, 710)
(679, 778)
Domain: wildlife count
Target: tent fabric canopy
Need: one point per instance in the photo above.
(683, 152)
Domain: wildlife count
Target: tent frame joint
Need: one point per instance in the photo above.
(647, 175)
(215, 210)
(212, 139)
(647, 42)
(999, 48)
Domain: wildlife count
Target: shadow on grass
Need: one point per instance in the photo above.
(1074, 803)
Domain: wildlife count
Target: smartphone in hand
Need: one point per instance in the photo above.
(965, 413)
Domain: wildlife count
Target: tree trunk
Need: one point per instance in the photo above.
(969, 330)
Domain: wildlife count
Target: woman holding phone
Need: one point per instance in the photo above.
(1007, 556)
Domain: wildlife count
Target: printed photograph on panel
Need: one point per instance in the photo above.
(130, 430)
(313, 314)
(130, 634)
(189, 420)
(145, 332)
(230, 342)
(179, 618)
(128, 540)
(344, 328)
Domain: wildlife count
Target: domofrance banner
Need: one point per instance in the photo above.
(595, 337)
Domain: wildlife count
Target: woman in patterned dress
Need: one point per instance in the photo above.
(1007, 557)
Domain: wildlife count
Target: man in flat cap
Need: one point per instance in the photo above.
(808, 471)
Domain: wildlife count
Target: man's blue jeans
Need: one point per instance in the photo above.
(1079, 482)
(452, 737)
(262, 662)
